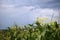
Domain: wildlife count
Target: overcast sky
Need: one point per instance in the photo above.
(26, 11)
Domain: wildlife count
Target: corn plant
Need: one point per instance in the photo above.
(48, 31)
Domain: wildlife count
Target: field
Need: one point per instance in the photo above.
(36, 31)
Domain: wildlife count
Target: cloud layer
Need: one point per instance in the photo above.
(23, 15)
(26, 11)
(36, 3)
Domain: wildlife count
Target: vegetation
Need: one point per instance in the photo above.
(36, 31)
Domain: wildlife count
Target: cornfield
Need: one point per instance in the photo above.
(36, 31)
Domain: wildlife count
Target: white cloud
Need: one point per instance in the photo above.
(44, 12)
(12, 10)
(24, 14)
(7, 6)
(13, 7)
(16, 12)
(25, 11)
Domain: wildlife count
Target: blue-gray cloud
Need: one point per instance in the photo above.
(22, 15)
(37, 3)
(25, 11)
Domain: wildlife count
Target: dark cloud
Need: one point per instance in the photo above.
(36, 3)
(47, 4)
(53, 4)
(44, 4)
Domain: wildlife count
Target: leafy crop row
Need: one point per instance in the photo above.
(36, 31)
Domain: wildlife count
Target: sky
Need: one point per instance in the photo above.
(26, 11)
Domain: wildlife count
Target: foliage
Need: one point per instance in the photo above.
(36, 31)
